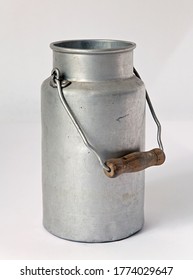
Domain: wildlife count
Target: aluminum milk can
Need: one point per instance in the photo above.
(93, 135)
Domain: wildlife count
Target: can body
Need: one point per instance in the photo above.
(79, 202)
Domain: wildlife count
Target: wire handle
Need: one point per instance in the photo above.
(159, 141)
(57, 80)
(132, 162)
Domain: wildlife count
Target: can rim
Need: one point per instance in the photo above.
(92, 46)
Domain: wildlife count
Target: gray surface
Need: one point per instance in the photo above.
(80, 203)
(168, 230)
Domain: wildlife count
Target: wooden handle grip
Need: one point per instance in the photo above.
(134, 162)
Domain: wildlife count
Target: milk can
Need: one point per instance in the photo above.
(93, 135)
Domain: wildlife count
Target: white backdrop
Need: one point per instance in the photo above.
(163, 32)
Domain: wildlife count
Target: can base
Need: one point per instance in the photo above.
(94, 241)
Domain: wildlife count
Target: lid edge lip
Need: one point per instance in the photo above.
(130, 47)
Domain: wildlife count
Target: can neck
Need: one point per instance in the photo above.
(93, 62)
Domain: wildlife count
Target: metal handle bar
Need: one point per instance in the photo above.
(60, 83)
